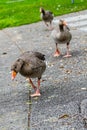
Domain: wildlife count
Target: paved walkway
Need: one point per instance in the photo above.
(63, 103)
(77, 20)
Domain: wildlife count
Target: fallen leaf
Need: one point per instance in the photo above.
(64, 116)
(79, 72)
(66, 123)
(50, 65)
(68, 71)
(65, 78)
(84, 88)
(4, 53)
(61, 66)
(35, 98)
(73, 129)
(29, 103)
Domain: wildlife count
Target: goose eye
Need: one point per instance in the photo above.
(15, 67)
(18, 60)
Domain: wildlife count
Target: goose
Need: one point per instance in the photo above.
(30, 64)
(47, 17)
(62, 36)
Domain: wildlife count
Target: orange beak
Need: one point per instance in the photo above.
(65, 23)
(13, 74)
(40, 10)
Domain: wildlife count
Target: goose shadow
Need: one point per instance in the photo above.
(76, 53)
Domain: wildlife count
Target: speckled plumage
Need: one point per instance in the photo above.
(62, 36)
(47, 17)
(30, 64)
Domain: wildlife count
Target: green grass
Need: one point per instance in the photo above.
(19, 12)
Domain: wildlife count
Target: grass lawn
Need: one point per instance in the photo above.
(19, 12)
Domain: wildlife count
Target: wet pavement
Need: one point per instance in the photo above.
(63, 103)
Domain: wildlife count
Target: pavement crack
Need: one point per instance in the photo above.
(30, 107)
(80, 108)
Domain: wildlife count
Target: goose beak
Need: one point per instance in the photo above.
(65, 23)
(13, 75)
(40, 9)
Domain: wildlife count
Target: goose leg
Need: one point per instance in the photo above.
(33, 86)
(37, 93)
(51, 28)
(68, 53)
(46, 24)
(57, 52)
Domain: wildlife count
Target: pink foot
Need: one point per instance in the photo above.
(56, 54)
(36, 95)
(67, 56)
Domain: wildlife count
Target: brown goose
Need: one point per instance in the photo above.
(47, 17)
(63, 36)
(30, 65)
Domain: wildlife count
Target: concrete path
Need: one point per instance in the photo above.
(78, 21)
(63, 104)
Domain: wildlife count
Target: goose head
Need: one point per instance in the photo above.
(63, 24)
(16, 67)
(42, 10)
